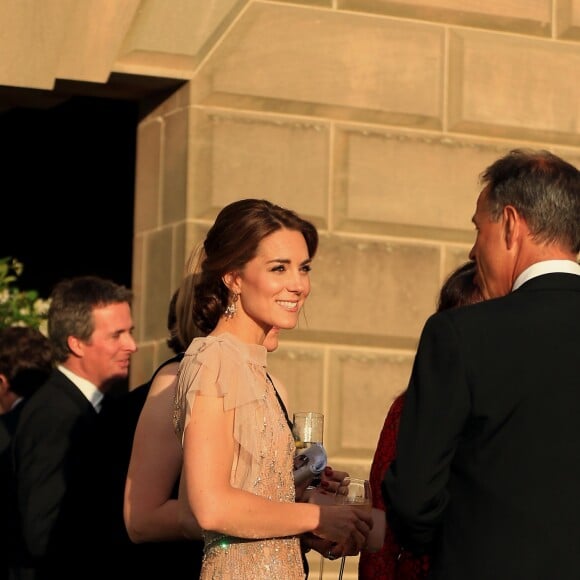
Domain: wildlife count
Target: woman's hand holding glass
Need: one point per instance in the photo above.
(332, 482)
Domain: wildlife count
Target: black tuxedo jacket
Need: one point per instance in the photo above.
(11, 541)
(487, 475)
(53, 449)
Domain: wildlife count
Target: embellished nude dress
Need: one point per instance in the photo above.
(222, 366)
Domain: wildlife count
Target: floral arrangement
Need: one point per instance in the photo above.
(18, 307)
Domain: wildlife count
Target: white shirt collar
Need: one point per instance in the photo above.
(547, 267)
(16, 402)
(88, 389)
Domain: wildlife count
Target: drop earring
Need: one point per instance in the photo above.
(231, 308)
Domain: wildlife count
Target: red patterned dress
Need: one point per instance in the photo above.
(390, 562)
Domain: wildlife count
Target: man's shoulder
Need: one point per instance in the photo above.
(470, 312)
(554, 281)
(54, 387)
(56, 398)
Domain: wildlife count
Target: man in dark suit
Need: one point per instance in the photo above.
(90, 329)
(487, 475)
(25, 363)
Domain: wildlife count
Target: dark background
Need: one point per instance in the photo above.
(68, 179)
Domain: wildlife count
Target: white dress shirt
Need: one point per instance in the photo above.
(90, 391)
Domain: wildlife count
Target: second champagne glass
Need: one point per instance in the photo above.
(358, 496)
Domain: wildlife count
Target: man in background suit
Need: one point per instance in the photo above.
(25, 363)
(487, 475)
(90, 328)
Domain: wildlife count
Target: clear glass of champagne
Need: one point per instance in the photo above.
(358, 496)
(308, 427)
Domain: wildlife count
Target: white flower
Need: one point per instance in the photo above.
(17, 307)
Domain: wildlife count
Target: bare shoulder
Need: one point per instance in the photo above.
(164, 380)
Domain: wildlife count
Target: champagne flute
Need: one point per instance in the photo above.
(358, 496)
(308, 430)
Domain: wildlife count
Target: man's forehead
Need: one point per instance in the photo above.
(479, 204)
(112, 313)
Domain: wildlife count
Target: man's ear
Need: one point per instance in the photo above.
(76, 345)
(512, 225)
(4, 384)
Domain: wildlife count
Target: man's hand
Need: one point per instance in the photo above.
(344, 526)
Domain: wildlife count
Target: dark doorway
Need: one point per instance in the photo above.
(68, 175)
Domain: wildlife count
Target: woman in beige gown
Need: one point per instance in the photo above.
(254, 273)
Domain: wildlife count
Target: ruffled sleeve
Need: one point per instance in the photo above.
(221, 366)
